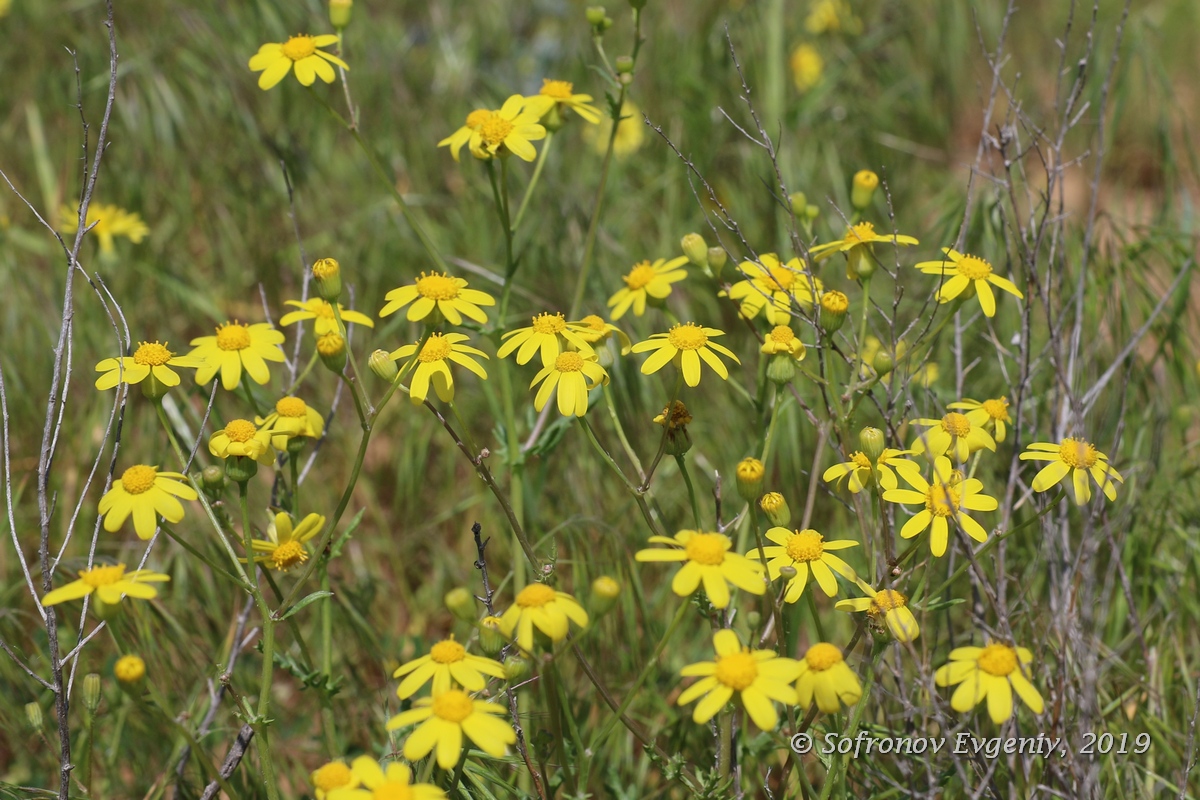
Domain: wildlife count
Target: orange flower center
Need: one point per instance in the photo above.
(707, 549)
(477, 118)
(822, 656)
(232, 336)
(887, 600)
(437, 348)
(737, 670)
(1078, 453)
(974, 268)
(942, 500)
(997, 409)
(559, 90)
(535, 595)
(333, 775)
(437, 286)
(138, 478)
(447, 652)
(688, 336)
(291, 407)
(151, 355)
(299, 47)
(806, 545)
(956, 424)
(641, 274)
(495, 129)
(782, 334)
(568, 362)
(453, 706)
(549, 324)
(999, 660)
(288, 554)
(102, 576)
(240, 430)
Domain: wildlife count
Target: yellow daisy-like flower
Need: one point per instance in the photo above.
(947, 497)
(107, 222)
(647, 282)
(856, 244)
(783, 340)
(445, 718)
(758, 677)
(1076, 457)
(543, 335)
(571, 377)
(807, 67)
(804, 551)
(322, 312)
(369, 781)
(990, 413)
(512, 129)
(827, 679)
(234, 348)
(966, 273)
(447, 662)
(954, 434)
(886, 606)
(539, 606)
(631, 132)
(109, 583)
(144, 493)
(994, 672)
(594, 330)
(301, 53)
(333, 776)
(291, 418)
(284, 546)
(242, 438)
(438, 293)
(706, 558)
(832, 16)
(462, 136)
(149, 359)
(687, 344)
(562, 94)
(433, 364)
(771, 288)
(862, 472)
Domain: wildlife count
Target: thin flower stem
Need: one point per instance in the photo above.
(179, 540)
(616, 420)
(639, 496)
(662, 444)
(691, 490)
(533, 181)
(837, 771)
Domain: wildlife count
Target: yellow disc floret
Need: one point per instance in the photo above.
(568, 362)
(861, 460)
(288, 555)
(495, 129)
(956, 424)
(437, 348)
(707, 548)
(333, 775)
(299, 47)
(822, 656)
(291, 407)
(549, 323)
(240, 430)
(737, 670)
(863, 232)
(784, 277)
(806, 545)
(782, 334)
(102, 576)
(453, 706)
(974, 268)
(942, 500)
(233, 336)
(997, 409)
(151, 354)
(535, 595)
(138, 478)
(688, 336)
(998, 659)
(641, 274)
(1078, 453)
(559, 90)
(437, 286)
(886, 600)
(447, 652)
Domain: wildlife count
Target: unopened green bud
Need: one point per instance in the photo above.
(781, 368)
(749, 474)
(383, 366)
(240, 469)
(461, 604)
(327, 274)
(213, 479)
(863, 188)
(33, 715)
(871, 441)
(862, 263)
(787, 573)
(331, 347)
(596, 16)
(716, 260)
(605, 591)
(695, 248)
(799, 203)
(883, 363)
(91, 692)
(491, 639)
(812, 212)
(637, 5)
(624, 65)
(339, 12)
(625, 78)
(753, 619)
(516, 670)
(775, 506)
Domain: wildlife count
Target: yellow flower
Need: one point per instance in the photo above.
(631, 132)
(807, 66)
(369, 781)
(109, 583)
(832, 16)
(943, 499)
(144, 492)
(782, 339)
(594, 330)
(445, 718)
(512, 129)
(150, 358)
(802, 551)
(460, 137)
(447, 662)
(771, 288)
(647, 281)
(857, 246)
(299, 52)
(432, 365)
(952, 434)
(242, 438)
(571, 376)
(284, 546)
(538, 605)
(322, 312)
(888, 605)
(758, 677)
(826, 678)
(993, 413)
(129, 669)
(562, 94)
(234, 348)
(686, 344)
(994, 672)
(706, 559)
(1079, 458)
(542, 336)
(863, 473)
(107, 222)
(437, 292)
(291, 418)
(334, 776)
(966, 272)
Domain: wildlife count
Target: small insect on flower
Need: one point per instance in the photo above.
(885, 606)
(1078, 458)
(857, 245)
(757, 677)
(988, 414)
(149, 360)
(686, 344)
(956, 434)
(433, 365)
(107, 222)
(546, 334)
(110, 583)
(511, 129)
(236, 347)
(774, 289)
(145, 493)
(301, 53)
(445, 718)
(284, 546)
(292, 418)
(375, 783)
(539, 606)
(647, 283)
(322, 312)
(706, 558)
(827, 679)
(571, 377)
(447, 663)
(947, 497)
(994, 672)
(437, 293)
(970, 274)
(804, 551)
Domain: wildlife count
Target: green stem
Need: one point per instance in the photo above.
(533, 182)
(691, 490)
(616, 420)
(837, 770)
(639, 495)
(662, 444)
(212, 564)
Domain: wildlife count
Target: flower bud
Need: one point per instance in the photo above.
(339, 13)
(750, 473)
(781, 368)
(152, 388)
(860, 263)
(753, 619)
(775, 506)
(491, 639)
(883, 363)
(637, 5)
(834, 306)
(327, 274)
(461, 604)
(872, 443)
(624, 65)
(91, 693)
(625, 78)
(213, 479)
(596, 16)
(863, 188)
(695, 248)
(516, 670)
(716, 260)
(605, 591)
(787, 573)
(33, 715)
(331, 347)
(799, 204)
(240, 469)
(129, 669)
(811, 212)
(383, 366)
